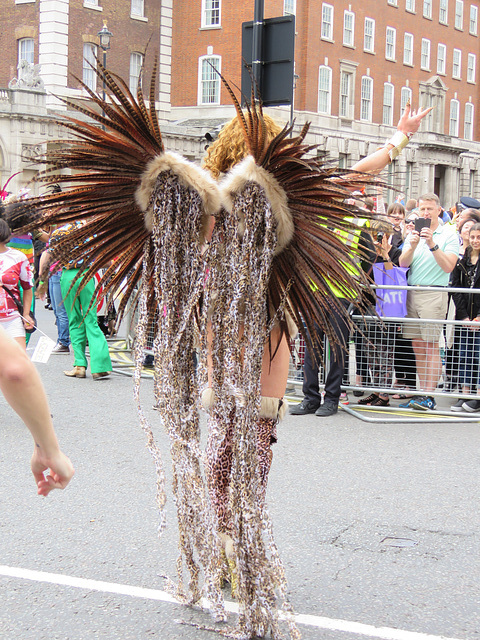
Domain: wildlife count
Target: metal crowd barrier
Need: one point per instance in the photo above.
(378, 345)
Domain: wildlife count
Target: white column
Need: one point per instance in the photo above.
(53, 48)
(165, 75)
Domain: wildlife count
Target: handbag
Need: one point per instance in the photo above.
(19, 306)
(391, 303)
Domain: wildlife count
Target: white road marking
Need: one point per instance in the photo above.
(345, 626)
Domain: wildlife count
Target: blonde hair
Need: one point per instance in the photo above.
(230, 146)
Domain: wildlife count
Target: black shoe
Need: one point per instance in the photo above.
(472, 406)
(357, 393)
(305, 406)
(328, 408)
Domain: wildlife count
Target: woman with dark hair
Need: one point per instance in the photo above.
(396, 216)
(466, 275)
(15, 272)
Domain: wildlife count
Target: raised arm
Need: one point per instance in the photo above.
(406, 127)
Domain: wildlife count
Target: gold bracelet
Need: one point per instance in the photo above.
(399, 141)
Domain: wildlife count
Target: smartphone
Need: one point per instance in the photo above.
(422, 222)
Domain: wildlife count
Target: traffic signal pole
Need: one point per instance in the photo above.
(257, 47)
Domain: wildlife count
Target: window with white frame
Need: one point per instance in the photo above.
(390, 43)
(410, 6)
(405, 96)
(327, 21)
(443, 12)
(471, 64)
(441, 59)
(457, 64)
(427, 9)
(454, 111)
(136, 63)
(366, 99)
(348, 28)
(369, 35)
(211, 13)
(387, 104)
(458, 14)
(89, 65)
(345, 94)
(137, 8)
(209, 80)
(425, 55)
(26, 50)
(92, 2)
(289, 7)
(392, 2)
(473, 20)
(468, 122)
(408, 49)
(324, 90)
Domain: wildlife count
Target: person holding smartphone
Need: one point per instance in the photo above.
(431, 251)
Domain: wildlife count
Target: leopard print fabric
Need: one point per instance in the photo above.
(219, 465)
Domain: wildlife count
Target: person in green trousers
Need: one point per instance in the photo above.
(84, 327)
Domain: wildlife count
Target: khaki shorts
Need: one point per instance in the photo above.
(425, 305)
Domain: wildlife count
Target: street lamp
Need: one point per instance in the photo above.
(104, 35)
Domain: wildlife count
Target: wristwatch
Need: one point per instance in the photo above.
(434, 248)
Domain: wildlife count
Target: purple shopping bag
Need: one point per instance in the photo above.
(391, 303)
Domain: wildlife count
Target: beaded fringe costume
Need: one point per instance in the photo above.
(274, 254)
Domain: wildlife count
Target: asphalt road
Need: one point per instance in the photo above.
(377, 524)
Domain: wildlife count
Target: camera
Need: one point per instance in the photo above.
(380, 235)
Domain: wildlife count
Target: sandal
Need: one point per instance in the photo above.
(401, 396)
(369, 399)
(380, 402)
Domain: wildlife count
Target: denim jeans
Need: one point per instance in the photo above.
(59, 308)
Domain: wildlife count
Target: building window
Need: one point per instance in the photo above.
(458, 14)
(454, 109)
(209, 80)
(327, 21)
(345, 94)
(92, 2)
(366, 99)
(443, 12)
(441, 59)
(427, 9)
(410, 6)
(137, 8)
(425, 55)
(472, 179)
(324, 90)
(136, 63)
(392, 2)
(348, 28)
(405, 96)
(387, 104)
(471, 64)
(468, 125)
(369, 35)
(90, 65)
(473, 20)
(211, 13)
(390, 43)
(26, 48)
(409, 180)
(408, 49)
(289, 7)
(457, 64)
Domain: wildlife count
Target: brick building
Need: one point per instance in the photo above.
(61, 36)
(357, 65)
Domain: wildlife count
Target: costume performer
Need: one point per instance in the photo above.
(267, 263)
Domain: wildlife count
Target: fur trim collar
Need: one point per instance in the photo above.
(189, 175)
(249, 171)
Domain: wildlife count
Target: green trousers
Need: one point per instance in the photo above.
(84, 328)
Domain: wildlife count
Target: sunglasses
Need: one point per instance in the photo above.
(411, 221)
